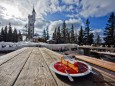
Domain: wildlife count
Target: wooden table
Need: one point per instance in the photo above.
(30, 67)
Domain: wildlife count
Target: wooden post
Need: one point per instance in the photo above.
(86, 51)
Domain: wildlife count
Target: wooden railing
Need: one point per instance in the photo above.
(88, 48)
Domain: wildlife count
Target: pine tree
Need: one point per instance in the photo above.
(44, 35)
(91, 39)
(88, 36)
(47, 33)
(0, 37)
(10, 33)
(68, 36)
(15, 36)
(19, 36)
(68, 39)
(2, 34)
(72, 34)
(80, 37)
(98, 39)
(6, 34)
(63, 33)
(86, 33)
(76, 38)
(58, 35)
(110, 31)
(54, 34)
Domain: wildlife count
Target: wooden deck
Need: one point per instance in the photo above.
(30, 67)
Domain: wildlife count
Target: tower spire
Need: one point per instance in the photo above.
(33, 9)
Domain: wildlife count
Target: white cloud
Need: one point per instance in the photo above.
(55, 2)
(16, 11)
(68, 1)
(73, 21)
(76, 22)
(70, 8)
(41, 24)
(11, 11)
(71, 1)
(97, 8)
(55, 24)
(25, 7)
(97, 31)
(92, 8)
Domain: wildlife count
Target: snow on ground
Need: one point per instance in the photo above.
(6, 46)
(57, 47)
(108, 52)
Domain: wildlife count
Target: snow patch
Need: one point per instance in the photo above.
(6, 46)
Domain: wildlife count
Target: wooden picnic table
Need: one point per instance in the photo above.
(29, 66)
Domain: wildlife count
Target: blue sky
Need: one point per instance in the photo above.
(51, 13)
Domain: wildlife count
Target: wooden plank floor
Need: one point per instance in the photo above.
(12, 68)
(35, 72)
(9, 56)
(30, 67)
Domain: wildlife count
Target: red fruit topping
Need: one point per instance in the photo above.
(61, 67)
(76, 64)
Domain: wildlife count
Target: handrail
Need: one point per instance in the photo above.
(92, 47)
(105, 64)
